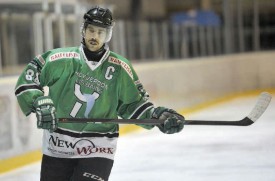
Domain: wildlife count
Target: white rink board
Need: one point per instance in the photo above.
(18, 133)
(189, 82)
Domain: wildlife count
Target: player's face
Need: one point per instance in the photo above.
(94, 37)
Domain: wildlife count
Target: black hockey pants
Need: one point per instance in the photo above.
(79, 169)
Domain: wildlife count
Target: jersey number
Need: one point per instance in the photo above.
(32, 76)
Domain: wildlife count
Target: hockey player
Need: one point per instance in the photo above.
(88, 81)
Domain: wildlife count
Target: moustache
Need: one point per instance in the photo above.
(93, 41)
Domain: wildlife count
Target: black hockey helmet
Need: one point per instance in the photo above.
(99, 17)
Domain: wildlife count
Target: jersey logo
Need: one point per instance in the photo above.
(61, 55)
(124, 65)
(89, 99)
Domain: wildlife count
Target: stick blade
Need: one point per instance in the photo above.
(260, 107)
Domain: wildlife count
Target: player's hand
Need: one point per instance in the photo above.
(45, 113)
(173, 122)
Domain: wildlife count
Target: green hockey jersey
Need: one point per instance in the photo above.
(80, 88)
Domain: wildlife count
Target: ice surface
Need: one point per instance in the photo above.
(198, 153)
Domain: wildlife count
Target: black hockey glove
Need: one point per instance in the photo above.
(45, 113)
(173, 123)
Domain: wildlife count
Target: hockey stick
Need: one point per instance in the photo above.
(260, 107)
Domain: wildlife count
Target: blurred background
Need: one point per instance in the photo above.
(145, 29)
(187, 53)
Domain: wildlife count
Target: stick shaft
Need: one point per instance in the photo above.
(244, 122)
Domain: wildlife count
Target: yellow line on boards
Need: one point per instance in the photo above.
(19, 161)
(123, 130)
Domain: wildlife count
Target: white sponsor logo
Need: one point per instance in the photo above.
(95, 177)
(82, 146)
(97, 21)
(63, 146)
(124, 65)
(61, 55)
(45, 101)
